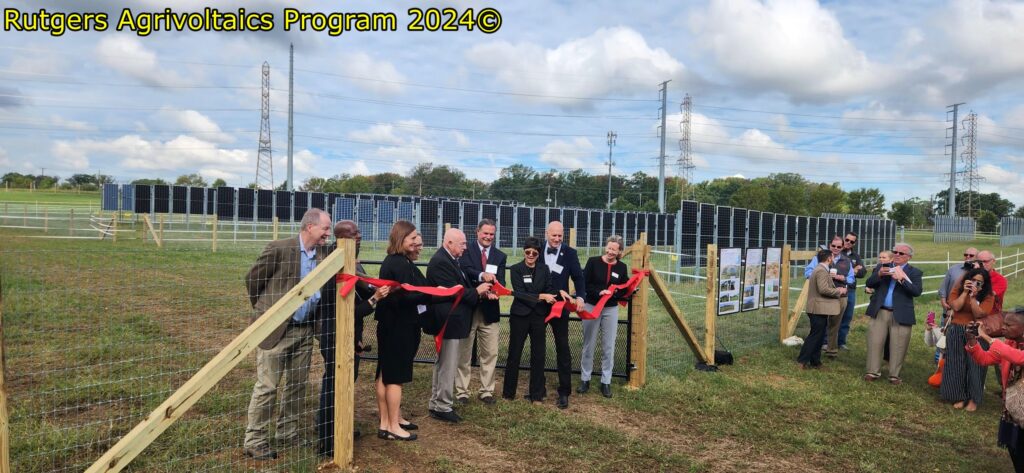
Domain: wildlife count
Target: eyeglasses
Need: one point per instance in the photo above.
(987, 260)
(531, 252)
(852, 242)
(900, 253)
(836, 246)
(969, 255)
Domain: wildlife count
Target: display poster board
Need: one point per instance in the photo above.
(730, 265)
(752, 276)
(772, 276)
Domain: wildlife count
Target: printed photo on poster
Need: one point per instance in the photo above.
(729, 265)
(772, 276)
(752, 272)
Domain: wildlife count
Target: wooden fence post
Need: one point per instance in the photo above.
(275, 229)
(215, 231)
(149, 224)
(113, 228)
(638, 328)
(711, 303)
(5, 431)
(344, 359)
(784, 271)
(801, 302)
(177, 404)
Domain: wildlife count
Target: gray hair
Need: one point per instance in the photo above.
(312, 217)
(903, 243)
(618, 240)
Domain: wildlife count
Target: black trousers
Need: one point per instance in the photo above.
(563, 357)
(810, 353)
(519, 328)
(325, 411)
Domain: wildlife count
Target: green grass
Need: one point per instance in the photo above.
(50, 197)
(98, 334)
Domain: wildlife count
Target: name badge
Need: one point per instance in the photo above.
(528, 279)
(421, 308)
(556, 268)
(491, 268)
(614, 274)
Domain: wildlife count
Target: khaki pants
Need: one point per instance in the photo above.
(881, 326)
(289, 360)
(442, 384)
(486, 336)
(834, 323)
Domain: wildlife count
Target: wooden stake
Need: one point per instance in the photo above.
(149, 225)
(5, 431)
(572, 244)
(711, 305)
(784, 270)
(677, 316)
(275, 228)
(638, 328)
(172, 409)
(113, 228)
(215, 231)
(344, 361)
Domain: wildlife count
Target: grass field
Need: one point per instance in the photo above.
(97, 334)
(50, 197)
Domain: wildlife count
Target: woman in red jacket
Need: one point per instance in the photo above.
(1009, 356)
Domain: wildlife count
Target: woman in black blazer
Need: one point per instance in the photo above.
(600, 273)
(531, 286)
(398, 330)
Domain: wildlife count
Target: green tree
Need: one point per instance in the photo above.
(150, 182)
(80, 180)
(825, 198)
(866, 201)
(191, 180)
(357, 185)
(988, 222)
(1019, 213)
(219, 183)
(751, 196)
(313, 184)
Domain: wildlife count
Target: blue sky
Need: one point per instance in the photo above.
(848, 92)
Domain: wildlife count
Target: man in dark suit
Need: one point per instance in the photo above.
(892, 312)
(366, 301)
(289, 348)
(481, 262)
(564, 264)
(444, 270)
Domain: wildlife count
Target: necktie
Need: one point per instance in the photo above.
(483, 259)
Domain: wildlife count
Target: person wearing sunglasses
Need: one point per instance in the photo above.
(953, 275)
(892, 312)
(963, 380)
(999, 285)
(533, 295)
(849, 242)
(843, 274)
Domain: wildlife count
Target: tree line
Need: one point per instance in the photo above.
(786, 193)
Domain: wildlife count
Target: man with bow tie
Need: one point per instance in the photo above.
(563, 263)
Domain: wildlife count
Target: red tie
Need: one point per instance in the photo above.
(483, 258)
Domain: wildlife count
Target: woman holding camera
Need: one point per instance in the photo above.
(1010, 358)
(963, 380)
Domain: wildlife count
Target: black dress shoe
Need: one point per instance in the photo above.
(489, 400)
(394, 436)
(563, 401)
(382, 434)
(261, 452)
(409, 426)
(584, 387)
(606, 390)
(449, 416)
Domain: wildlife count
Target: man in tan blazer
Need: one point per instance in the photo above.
(289, 347)
(823, 302)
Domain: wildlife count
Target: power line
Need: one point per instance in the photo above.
(907, 120)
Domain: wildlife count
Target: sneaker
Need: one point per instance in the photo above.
(261, 452)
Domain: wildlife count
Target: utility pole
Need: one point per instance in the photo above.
(291, 111)
(951, 198)
(264, 157)
(611, 143)
(661, 156)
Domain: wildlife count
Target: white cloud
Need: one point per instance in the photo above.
(70, 156)
(460, 139)
(793, 46)
(5, 162)
(68, 124)
(194, 122)
(129, 56)
(609, 61)
(381, 76)
(575, 154)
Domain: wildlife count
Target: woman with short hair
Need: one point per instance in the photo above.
(531, 287)
(600, 273)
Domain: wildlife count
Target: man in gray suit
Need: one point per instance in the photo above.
(289, 348)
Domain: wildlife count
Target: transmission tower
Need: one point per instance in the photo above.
(951, 136)
(264, 161)
(969, 159)
(685, 161)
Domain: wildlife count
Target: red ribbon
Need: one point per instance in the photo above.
(500, 290)
(558, 307)
(348, 281)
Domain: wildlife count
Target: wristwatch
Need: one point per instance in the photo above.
(372, 301)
